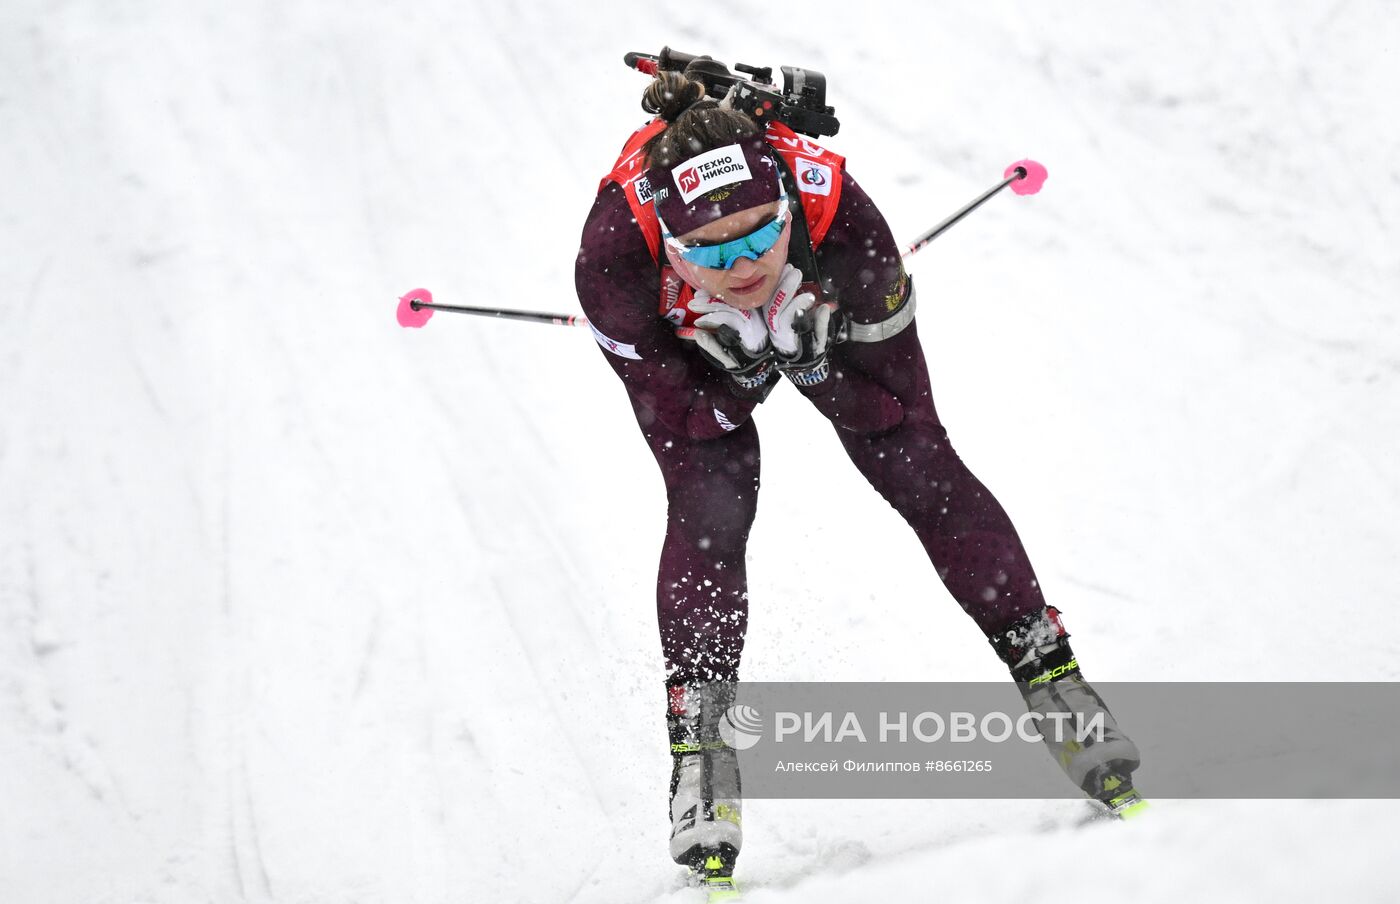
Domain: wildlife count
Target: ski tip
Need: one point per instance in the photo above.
(1132, 810)
(1127, 805)
(410, 317)
(720, 889)
(1031, 182)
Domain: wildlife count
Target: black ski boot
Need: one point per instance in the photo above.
(1078, 729)
(706, 798)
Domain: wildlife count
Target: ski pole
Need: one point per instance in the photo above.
(416, 307)
(1025, 178)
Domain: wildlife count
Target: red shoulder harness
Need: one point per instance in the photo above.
(818, 175)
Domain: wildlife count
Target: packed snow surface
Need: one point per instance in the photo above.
(297, 606)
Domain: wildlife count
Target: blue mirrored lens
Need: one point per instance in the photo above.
(727, 254)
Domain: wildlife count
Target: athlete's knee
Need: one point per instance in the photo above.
(715, 512)
(916, 470)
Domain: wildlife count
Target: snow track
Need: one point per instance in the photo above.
(299, 607)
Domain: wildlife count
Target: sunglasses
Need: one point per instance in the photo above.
(724, 255)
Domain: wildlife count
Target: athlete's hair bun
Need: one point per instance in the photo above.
(671, 94)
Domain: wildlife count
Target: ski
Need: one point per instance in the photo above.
(1125, 805)
(1118, 796)
(716, 877)
(720, 889)
(1128, 805)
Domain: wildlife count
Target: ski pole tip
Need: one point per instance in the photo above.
(1034, 176)
(409, 313)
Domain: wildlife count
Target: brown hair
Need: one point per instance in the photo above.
(695, 125)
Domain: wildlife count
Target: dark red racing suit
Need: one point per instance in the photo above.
(698, 425)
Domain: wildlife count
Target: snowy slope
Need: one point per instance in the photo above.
(297, 606)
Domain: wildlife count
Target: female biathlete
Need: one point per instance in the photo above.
(719, 259)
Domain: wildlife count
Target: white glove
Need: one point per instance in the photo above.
(801, 330)
(780, 313)
(730, 338)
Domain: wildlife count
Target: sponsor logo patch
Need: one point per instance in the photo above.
(621, 349)
(812, 177)
(643, 190)
(711, 170)
(688, 180)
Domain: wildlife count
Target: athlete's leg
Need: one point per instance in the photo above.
(979, 556)
(702, 610)
(965, 531)
(702, 586)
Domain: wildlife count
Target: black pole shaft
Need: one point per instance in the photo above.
(943, 227)
(502, 314)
